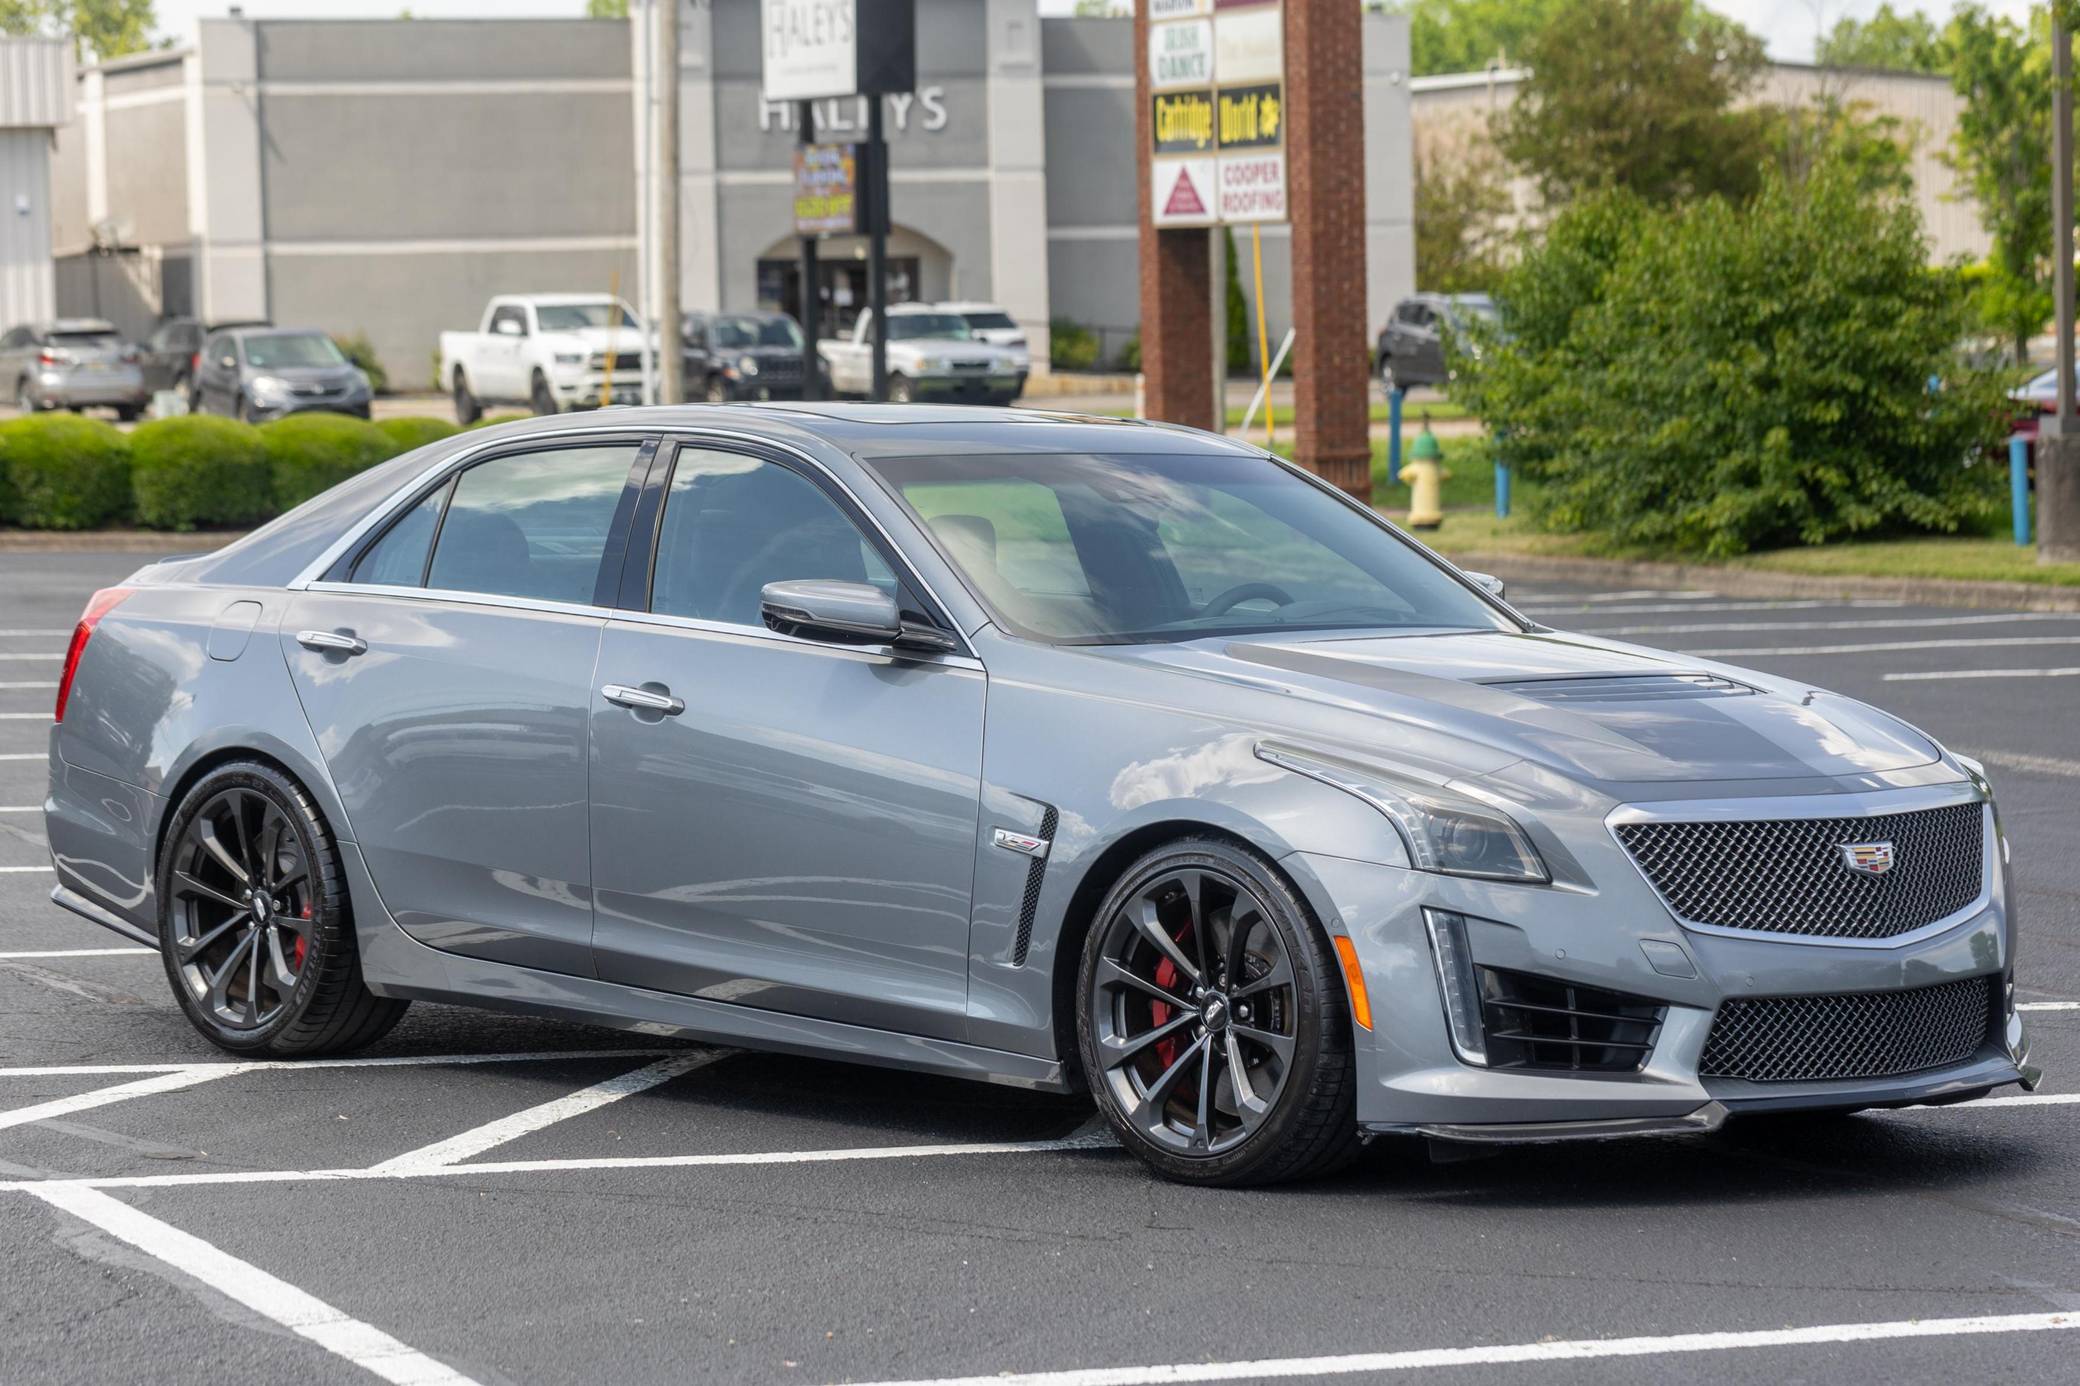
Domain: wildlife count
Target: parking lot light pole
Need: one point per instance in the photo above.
(671, 372)
(876, 150)
(2058, 440)
(811, 304)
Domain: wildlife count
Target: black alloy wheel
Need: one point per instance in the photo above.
(255, 929)
(467, 410)
(1213, 1023)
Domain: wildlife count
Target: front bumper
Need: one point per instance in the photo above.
(584, 389)
(283, 408)
(1413, 1078)
(969, 389)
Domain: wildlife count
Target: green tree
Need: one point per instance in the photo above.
(1637, 94)
(99, 28)
(1242, 337)
(1716, 377)
(1875, 151)
(2001, 151)
(606, 9)
(1468, 35)
(1461, 200)
(1890, 39)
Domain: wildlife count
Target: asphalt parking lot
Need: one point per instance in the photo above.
(487, 1199)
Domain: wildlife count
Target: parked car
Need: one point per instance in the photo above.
(1412, 345)
(989, 323)
(932, 355)
(262, 373)
(173, 352)
(73, 363)
(732, 356)
(550, 352)
(1064, 753)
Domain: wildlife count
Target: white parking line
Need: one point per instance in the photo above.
(526, 1056)
(26, 755)
(25, 717)
(1882, 646)
(301, 1313)
(2049, 1006)
(1909, 622)
(82, 953)
(1503, 1354)
(1935, 674)
(21, 808)
(2035, 765)
(17, 630)
(477, 1140)
(121, 1092)
(31, 683)
(1533, 608)
(22, 870)
(44, 658)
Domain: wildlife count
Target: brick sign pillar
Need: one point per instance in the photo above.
(1332, 366)
(1176, 285)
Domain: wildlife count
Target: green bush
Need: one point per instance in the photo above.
(1130, 354)
(362, 353)
(309, 453)
(406, 434)
(1713, 379)
(1074, 347)
(195, 470)
(65, 472)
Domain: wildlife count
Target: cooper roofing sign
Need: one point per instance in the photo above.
(1217, 121)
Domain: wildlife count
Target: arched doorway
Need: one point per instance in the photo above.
(919, 270)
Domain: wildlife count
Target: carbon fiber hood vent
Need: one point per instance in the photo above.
(1623, 688)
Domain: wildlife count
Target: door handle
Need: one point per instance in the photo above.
(642, 699)
(331, 642)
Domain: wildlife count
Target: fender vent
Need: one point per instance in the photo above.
(1031, 903)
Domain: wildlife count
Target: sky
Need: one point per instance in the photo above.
(1787, 26)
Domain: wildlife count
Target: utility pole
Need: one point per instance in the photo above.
(811, 304)
(2058, 446)
(877, 243)
(671, 375)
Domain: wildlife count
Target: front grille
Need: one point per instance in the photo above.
(625, 361)
(1788, 875)
(1877, 1034)
(1538, 1022)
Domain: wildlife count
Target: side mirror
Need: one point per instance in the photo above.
(508, 328)
(229, 363)
(841, 613)
(1488, 583)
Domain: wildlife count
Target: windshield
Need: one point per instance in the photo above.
(741, 332)
(281, 350)
(102, 337)
(906, 326)
(1088, 549)
(570, 317)
(989, 322)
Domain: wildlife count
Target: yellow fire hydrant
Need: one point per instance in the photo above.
(1425, 474)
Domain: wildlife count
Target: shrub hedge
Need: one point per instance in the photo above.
(309, 453)
(62, 471)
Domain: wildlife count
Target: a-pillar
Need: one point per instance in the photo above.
(1325, 170)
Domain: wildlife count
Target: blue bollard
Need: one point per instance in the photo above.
(1501, 489)
(2018, 486)
(1394, 436)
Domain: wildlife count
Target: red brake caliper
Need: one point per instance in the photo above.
(1159, 1012)
(302, 943)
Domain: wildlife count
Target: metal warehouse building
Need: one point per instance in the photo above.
(387, 177)
(35, 99)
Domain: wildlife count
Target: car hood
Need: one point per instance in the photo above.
(311, 375)
(620, 339)
(1588, 709)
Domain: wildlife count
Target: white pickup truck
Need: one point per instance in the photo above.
(550, 352)
(931, 356)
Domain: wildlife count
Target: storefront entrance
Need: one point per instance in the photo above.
(842, 289)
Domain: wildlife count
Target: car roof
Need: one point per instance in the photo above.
(973, 306)
(268, 329)
(82, 325)
(559, 299)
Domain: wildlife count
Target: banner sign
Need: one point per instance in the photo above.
(826, 189)
(1217, 76)
(1184, 122)
(818, 48)
(1181, 55)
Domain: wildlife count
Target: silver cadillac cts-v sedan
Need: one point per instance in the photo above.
(1061, 752)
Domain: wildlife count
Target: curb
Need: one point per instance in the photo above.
(1749, 582)
(145, 541)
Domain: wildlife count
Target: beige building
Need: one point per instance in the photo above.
(1453, 110)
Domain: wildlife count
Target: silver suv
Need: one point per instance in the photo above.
(73, 363)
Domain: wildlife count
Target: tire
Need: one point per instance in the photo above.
(22, 399)
(129, 413)
(717, 391)
(901, 390)
(242, 409)
(539, 397)
(1307, 1125)
(229, 977)
(467, 408)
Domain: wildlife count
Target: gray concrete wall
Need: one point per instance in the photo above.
(147, 168)
(26, 287)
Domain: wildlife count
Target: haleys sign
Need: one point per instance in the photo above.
(812, 49)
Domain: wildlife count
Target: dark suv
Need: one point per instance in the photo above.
(732, 356)
(1412, 344)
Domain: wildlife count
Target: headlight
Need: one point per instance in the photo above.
(749, 365)
(570, 358)
(267, 385)
(1445, 830)
(931, 363)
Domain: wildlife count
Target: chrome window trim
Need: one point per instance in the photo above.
(311, 578)
(1860, 805)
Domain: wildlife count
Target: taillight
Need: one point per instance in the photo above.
(194, 363)
(50, 356)
(98, 605)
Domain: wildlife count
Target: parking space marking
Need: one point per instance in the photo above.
(121, 1092)
(1910, 622)
(81, 953)
(2035, 765)
(302, 1313)
(25, 717)
(21, 808)
(18, 630)
(529, 1056)
(1932, 675)
(1881, 647)
(2049, 1006)
(1504, 1354)
(1582, 610)
(30, 683)
(18, 870)
(475, 1141)
(26, 755)
(46, 658)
